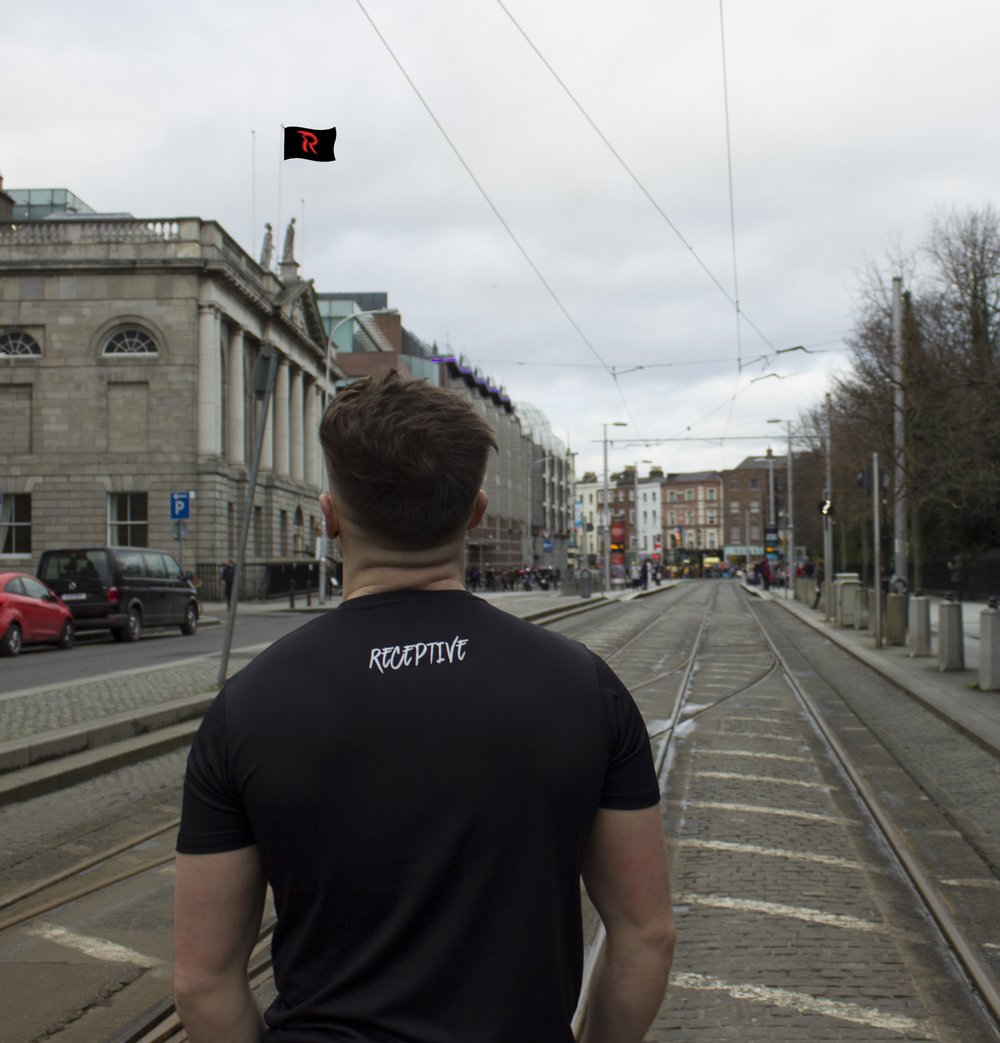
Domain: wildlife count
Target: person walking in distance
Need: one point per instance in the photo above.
(422, 820)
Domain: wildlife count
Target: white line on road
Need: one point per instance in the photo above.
(795, 912)
(759, 809)
(777, 852)
(98, 948)
(806, 1004)
(739, 777)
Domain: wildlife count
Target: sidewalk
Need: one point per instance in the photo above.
(953, 695)
(56, 736)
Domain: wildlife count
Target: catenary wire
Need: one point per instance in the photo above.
(510, 232)
(628, 170)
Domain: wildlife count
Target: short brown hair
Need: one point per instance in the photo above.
(406, 458)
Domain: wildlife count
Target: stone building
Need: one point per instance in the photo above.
(530, 482)
(692, 516)
(127, 351)
(127, 348)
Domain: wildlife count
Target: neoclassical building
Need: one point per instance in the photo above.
(127, 348)
(127, 352)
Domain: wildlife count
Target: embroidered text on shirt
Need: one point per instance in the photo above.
(395, 657)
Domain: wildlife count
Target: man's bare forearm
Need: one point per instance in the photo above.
(221, 1015)
(626, 991)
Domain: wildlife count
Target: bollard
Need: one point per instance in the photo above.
(861, 615)
(847, 603)
(584, 583)
(920, 625)
(989, 648)
(951, 640)
(895, 619)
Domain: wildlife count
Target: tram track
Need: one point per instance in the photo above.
(961, 940)
(960, 936)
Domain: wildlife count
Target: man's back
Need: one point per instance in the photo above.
(420, 773)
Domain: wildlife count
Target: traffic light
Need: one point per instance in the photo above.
(826, 507)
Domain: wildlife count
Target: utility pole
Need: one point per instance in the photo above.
(899, 536)
(828, 521)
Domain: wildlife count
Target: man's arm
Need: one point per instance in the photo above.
(626, 875)
(218, 902)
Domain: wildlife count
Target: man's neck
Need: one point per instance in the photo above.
(384, 579)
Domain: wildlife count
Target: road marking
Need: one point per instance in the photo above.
(770, 735)
(759, 809)
(776, 852)
(739, 777)
(98, 948)
(987, 882)
(795, 912)
(756, 753)
(806, 1004)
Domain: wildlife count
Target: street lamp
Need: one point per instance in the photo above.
(531, 531)
(329, 341)
(607, 508)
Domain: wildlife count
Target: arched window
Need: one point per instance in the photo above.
(130, 340)
(17, 342)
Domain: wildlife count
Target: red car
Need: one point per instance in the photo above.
(30, 613)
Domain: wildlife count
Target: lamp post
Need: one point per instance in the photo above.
(329, 341)
(326, 401)
(607, 508)
(531, 531)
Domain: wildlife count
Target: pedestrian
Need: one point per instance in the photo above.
(421, 818)
(228, 572)
(818, 574)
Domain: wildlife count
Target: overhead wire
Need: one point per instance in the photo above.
(510, 232)
(631, 173)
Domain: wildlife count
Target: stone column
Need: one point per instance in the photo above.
(236, 395)
(311, 434)
(267, 446)
(296, 422)
(282, 455)
(209, 380)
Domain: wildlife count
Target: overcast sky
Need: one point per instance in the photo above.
(850, 123)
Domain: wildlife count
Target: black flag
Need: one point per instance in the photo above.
(303, 143)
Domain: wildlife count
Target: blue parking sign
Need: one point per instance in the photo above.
(180, 506)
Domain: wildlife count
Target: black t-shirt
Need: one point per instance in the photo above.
(420, 772)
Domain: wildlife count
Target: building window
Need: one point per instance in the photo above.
(734, 484)
(711, 517)
(130, 340)
(689, 494)
(671, 497)
(710, 494)
(754, 533)
(734, 506)
(754, 483)
(128, 520)
(734, 534)
(15, 524)
(690, 517)
(17, 342)
(755, 506)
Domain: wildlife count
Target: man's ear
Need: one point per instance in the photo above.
(482, 502)
(330, 516)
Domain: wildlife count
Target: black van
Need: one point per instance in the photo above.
(121, 589)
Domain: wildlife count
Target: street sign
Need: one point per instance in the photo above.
(546, 545)
(180, 506)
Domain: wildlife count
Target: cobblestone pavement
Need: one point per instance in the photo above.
(794, 923)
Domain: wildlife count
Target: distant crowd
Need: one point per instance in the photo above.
(516, 578)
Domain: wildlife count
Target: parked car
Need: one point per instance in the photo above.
(30, 614)
(122, 589)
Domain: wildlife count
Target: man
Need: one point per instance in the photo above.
(421, 811)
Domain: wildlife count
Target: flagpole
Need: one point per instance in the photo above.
(281, 163)
(253, 193)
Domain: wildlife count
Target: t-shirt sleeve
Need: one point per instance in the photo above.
(630, 782)
(212, 816)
